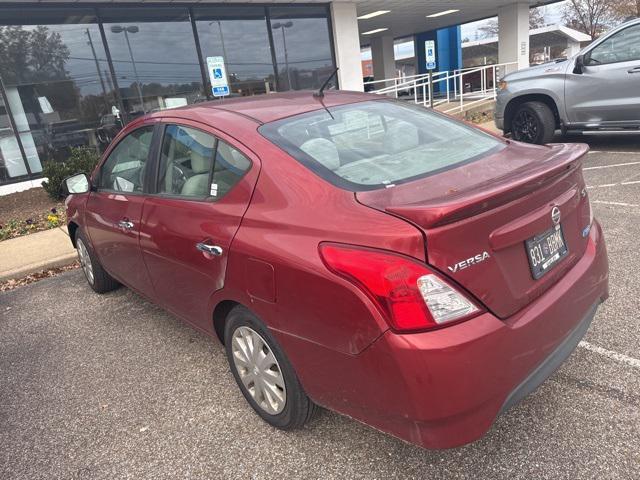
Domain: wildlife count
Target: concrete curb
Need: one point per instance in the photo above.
(25, 270)
(32, 253)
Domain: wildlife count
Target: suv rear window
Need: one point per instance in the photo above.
(377, 144)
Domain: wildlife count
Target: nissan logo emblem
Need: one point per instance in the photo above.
(555, 215)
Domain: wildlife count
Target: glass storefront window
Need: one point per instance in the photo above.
(56, 82)
(302, 43)
(154, 57)
(74, 75)
(11, 163)
(240, 36)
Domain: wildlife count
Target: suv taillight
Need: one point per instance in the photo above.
(410, 295)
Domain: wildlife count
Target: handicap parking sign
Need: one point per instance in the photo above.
(218, 76)
(430, 54)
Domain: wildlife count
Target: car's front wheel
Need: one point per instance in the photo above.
(533, 122)
(97, 278)
(263, 372)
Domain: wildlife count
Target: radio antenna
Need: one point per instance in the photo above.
(320, 92)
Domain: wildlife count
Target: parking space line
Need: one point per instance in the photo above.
(618, 357)
(619, 204)
(611, 166)
(634, 182)
(614, 152)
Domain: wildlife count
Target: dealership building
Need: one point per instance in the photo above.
(73, 72)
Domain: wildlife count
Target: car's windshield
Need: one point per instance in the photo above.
(377, 144)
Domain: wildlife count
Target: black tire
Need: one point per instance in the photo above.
(99, 280)
(298, 408)
(533, 122)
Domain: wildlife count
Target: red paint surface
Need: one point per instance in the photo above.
(438, 389)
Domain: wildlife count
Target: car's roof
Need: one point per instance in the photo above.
(271, 107)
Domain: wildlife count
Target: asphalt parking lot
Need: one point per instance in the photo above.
(104, 387)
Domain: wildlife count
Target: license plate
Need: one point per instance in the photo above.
(545, 251)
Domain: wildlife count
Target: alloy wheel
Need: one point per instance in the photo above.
(85, 260)
(258, 370)
(525, 127)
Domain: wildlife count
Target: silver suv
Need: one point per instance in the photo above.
(598, 89)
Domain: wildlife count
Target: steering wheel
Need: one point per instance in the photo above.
(178, 179)
(103, 136)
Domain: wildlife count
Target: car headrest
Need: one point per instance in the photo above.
(200, 163)
(323, 151)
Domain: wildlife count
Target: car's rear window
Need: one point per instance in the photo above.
(377, 144)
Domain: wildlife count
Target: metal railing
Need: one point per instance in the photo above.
(461, 88)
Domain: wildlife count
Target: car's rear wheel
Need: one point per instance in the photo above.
(263, 372)
(97, 278)
(533, 122)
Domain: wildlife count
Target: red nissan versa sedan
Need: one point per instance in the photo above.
(375, 258)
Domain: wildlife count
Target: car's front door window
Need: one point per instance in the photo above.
(123, 170)
(624, 46)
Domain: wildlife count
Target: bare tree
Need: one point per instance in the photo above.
(592, 17)
(536, 20)
(489, 29)
(624, 9)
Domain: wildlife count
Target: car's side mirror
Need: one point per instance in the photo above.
(579, 66)
(78, 183)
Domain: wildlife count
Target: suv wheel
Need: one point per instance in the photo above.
(263, 373)
(97, 278)
(533, 122)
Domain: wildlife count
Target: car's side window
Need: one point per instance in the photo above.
(198, 165)
(186, 161)
(123, 170)
(229, 167)
(624, 46)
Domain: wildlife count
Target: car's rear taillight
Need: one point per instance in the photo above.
(410, 295)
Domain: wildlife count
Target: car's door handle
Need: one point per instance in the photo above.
(634, 70)
(211, 249)
(125, 224)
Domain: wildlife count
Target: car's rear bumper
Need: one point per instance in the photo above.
(445, 388)
(457, 380)
(552, 362)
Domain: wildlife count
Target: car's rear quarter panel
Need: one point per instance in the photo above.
(292, 211)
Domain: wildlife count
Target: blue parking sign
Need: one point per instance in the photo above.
(430, 54)
(220, 91)
(218, 76)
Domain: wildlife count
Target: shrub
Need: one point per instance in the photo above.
(81, 160)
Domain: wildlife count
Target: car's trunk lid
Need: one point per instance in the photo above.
(477, 217)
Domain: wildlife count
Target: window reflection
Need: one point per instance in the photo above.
(154, 58)
(62, 91)
(56, 82)
(240, 36)
(11, 164)
(302, 45)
